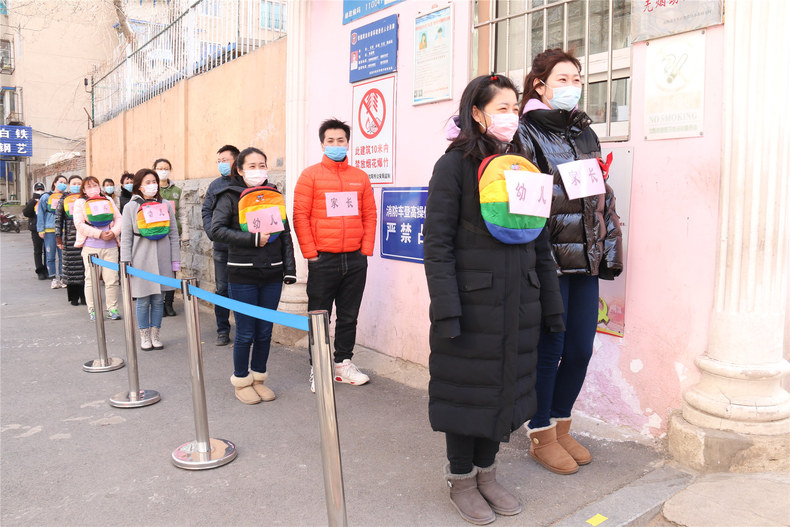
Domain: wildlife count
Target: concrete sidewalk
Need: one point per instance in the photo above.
(68, 458)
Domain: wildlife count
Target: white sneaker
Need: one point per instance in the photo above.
(63, 284)
(350, 374)
(55, 284)
(312, 380)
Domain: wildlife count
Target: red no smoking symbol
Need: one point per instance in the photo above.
(372, 113)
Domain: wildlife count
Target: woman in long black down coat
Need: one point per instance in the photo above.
(488, 301)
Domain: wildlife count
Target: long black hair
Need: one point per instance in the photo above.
(471, 140)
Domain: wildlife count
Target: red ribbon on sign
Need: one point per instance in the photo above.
(605, 166)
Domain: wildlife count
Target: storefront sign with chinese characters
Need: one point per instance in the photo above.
(16, 141)
(402, 221)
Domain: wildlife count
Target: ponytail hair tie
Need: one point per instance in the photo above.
(493, 77)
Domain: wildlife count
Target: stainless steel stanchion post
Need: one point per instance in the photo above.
(103, 363)
(135, 397)
(327, 418)
(204, 452)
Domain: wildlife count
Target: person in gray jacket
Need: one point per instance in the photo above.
(149, 242)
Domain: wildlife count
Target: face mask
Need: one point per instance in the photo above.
(109, 190)
(164, 175)
(336, 153)
(224, 169)
(254, 178)
(92, 192)
(149, 191)
(128, 187)
(565, 97)
(74, 189)
(61, 187)
(503, 126)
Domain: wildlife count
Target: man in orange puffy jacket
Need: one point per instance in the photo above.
(335, 222)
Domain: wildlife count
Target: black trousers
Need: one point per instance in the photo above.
(339, 279)
(38, 254)
(467, 452)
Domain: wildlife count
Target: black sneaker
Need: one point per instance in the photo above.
(223, 339)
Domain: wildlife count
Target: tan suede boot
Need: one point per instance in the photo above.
(264, 392)
(244, 391)
(466, 498)
(498, 497)
(545, 449)
(579, 454)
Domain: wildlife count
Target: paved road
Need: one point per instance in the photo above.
(68, 458)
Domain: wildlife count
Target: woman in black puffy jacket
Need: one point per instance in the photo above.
(258, 265)
(586, 244)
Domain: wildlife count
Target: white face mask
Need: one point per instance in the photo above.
(254, 178)
(149, 191)
(164, 175)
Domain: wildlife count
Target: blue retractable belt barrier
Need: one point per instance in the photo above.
(284, 319)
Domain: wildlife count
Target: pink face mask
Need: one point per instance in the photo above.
(503, 126)
(93, 192)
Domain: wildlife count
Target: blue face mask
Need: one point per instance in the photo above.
(564, 97)
(128, 187)
(336, 153)
(109, 189)
(61, 187)
(224, 169)
(74, 189)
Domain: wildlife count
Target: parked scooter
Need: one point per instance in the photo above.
(8, 222)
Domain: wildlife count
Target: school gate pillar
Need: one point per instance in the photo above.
(737, 418)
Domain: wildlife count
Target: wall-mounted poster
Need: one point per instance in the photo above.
(372, 128)
(354, 9)
(660, 18)
(433, 56)
(402, 219)
(374, 49)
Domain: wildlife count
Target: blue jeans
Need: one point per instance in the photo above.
(563, 357)
(221, 278)
(149, 311)
(252, 332)
(52, 251)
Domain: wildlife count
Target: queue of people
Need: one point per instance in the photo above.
(513, 293)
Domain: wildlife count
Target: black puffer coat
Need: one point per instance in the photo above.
(248, 263)
(487, 303)
(585, 232)
(73, 266)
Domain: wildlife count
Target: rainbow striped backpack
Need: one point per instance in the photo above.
(53, 200)
(508, 228)
(262, 209)
(68, 203)
(99, 211)
(153, 220)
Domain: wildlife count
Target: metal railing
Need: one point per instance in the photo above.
(207, 34)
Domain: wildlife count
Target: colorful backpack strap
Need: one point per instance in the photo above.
(53, 200)
(259, 210)
(494, 205)
(153, 220)
(99, 211)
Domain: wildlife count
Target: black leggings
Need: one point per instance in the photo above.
(467, 452)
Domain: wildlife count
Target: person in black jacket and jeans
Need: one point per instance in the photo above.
(586, 244)
(258, 264)
(38, 244)
(127, 183)
(225, 159)
(488, 301)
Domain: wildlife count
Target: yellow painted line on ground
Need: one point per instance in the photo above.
(597, 520)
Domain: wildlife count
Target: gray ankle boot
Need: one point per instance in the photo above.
(497, 496)
(467, 500)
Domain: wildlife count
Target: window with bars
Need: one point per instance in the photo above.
(509, 33)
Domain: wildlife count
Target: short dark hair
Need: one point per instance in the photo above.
(127, 175)
(107, 180)
(75, 176)
(333, 124)
(234, 172)
(161, 160)
(138, 181)
(229, 148)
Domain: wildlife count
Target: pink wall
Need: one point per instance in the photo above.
(634, 381)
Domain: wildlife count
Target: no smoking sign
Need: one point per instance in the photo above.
(372, 146)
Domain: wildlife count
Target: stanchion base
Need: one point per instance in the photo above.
(97, 366)
(187, 456)
(135, 400)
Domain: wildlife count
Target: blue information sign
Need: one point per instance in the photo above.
(402, 219)
(354, 9)
(16, 141)
(374, 49)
